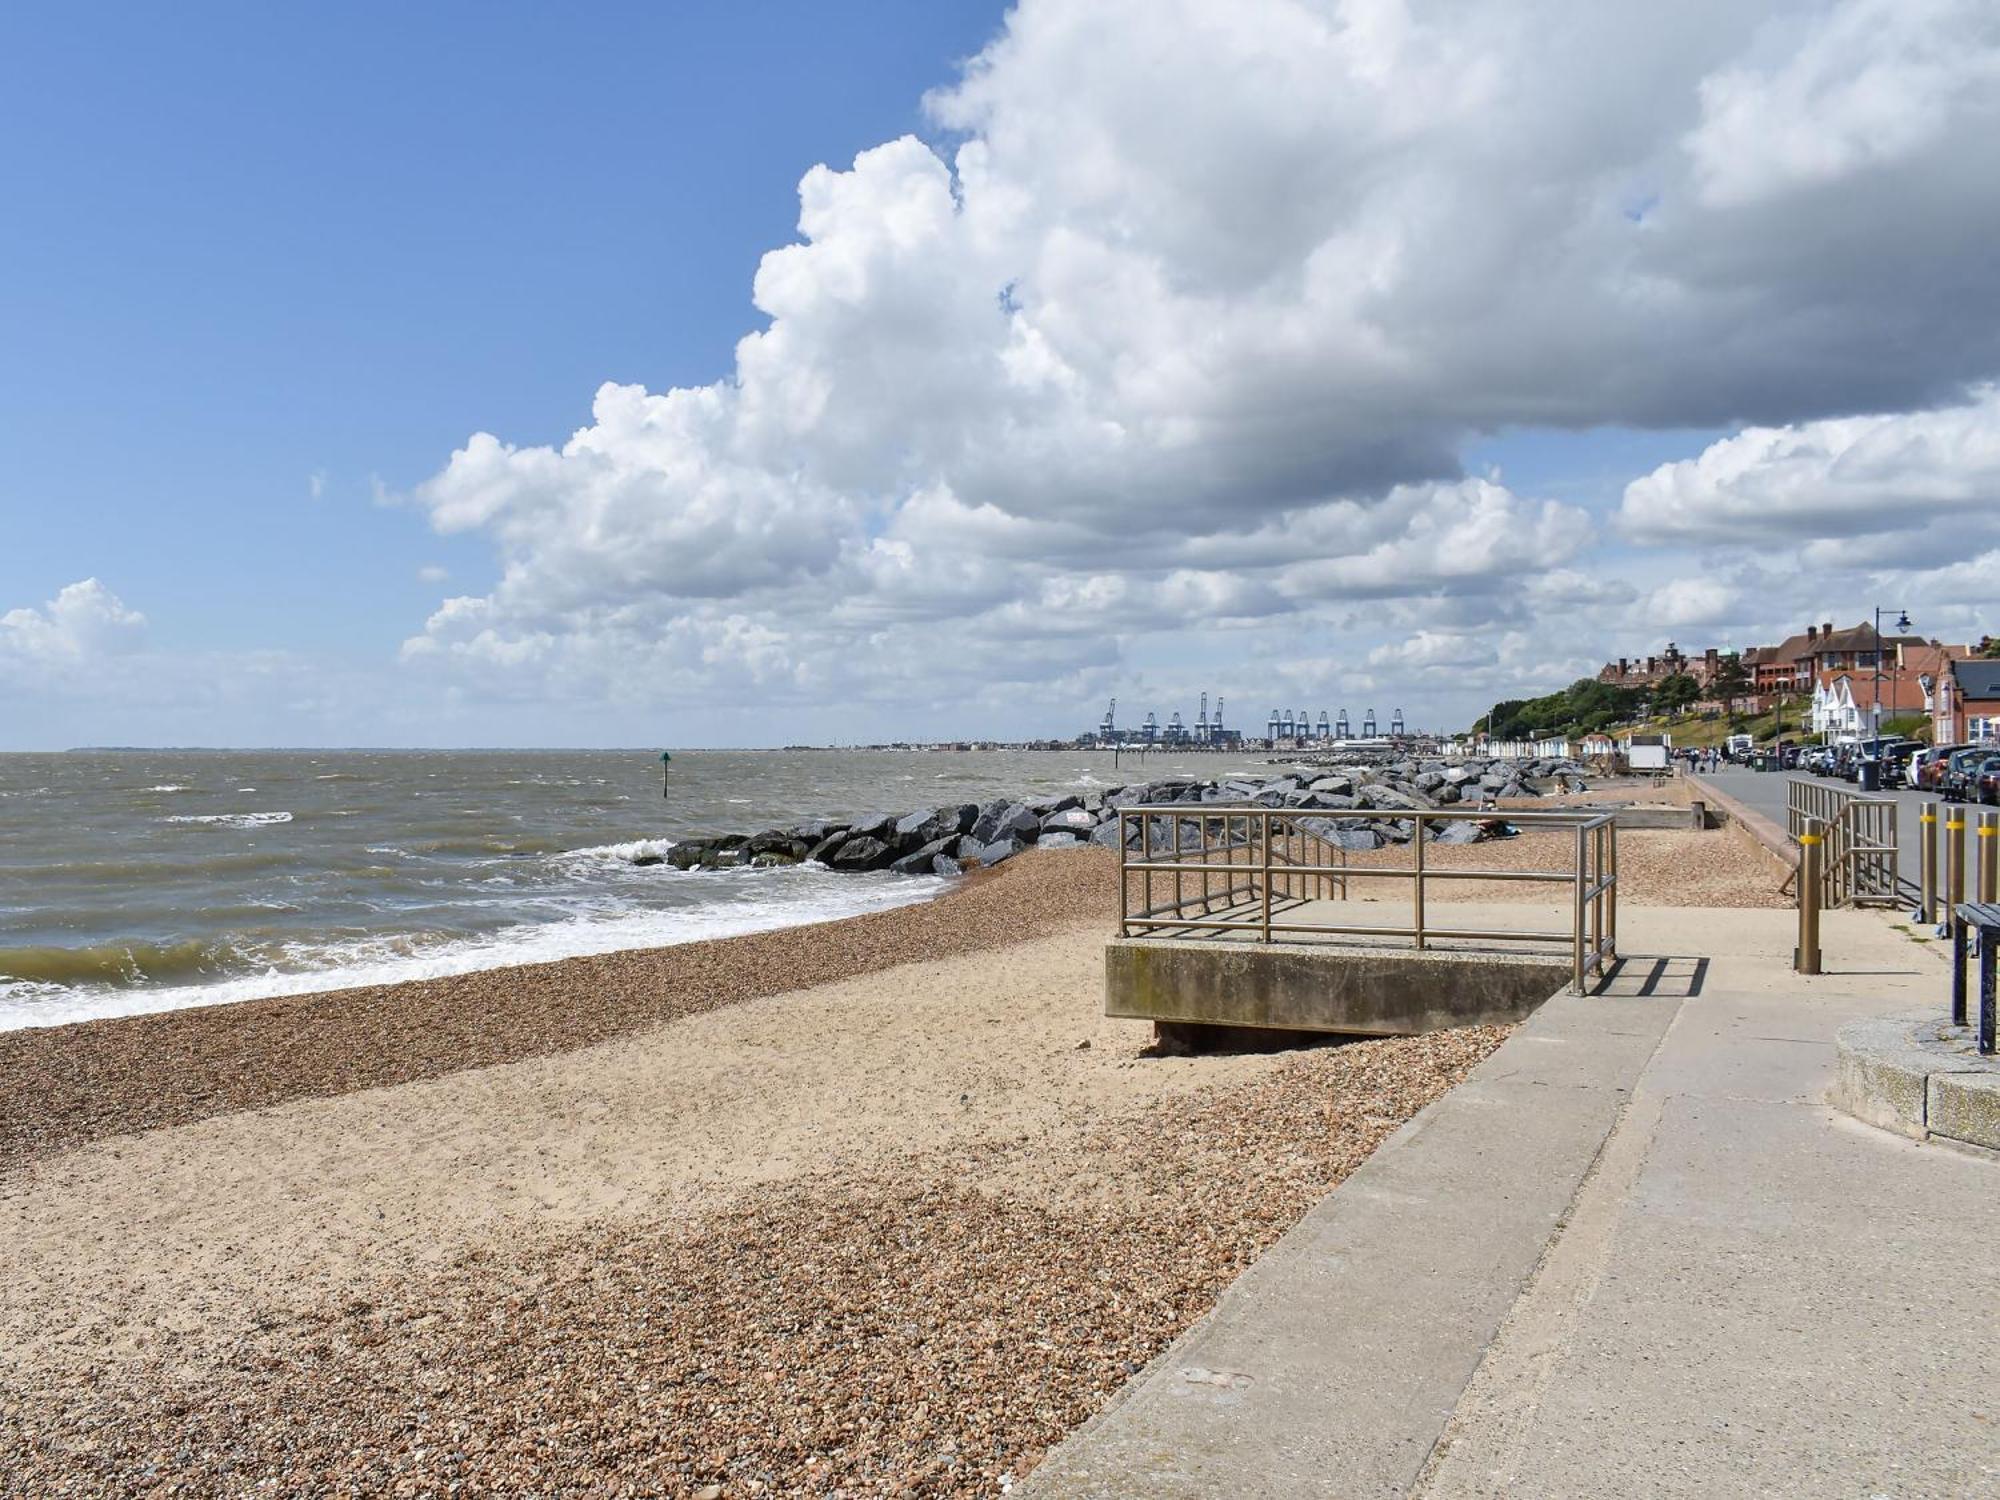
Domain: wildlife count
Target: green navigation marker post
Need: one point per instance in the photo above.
(666, 762)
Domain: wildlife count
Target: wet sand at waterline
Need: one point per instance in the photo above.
(885, 1206)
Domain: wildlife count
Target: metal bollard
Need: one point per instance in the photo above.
(1927, 827)
(1954, 867)
(1989, 892)
(1806, 957)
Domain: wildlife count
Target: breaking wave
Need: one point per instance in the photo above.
(232, 820)
(625, 854)
(52, 986)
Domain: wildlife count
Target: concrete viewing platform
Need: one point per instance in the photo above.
(1196, 983)
(1636, 1253)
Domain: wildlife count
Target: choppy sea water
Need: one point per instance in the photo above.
(152, 879)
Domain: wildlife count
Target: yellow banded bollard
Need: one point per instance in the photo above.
(1954, 863)
(1927, 909)
(1989, 858)
(1805, 958)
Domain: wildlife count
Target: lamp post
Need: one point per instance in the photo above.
(1875, 709)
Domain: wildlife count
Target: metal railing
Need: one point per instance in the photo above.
(1858, 864)
(1215, 870)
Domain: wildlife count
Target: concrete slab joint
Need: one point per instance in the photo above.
(1920, 1077)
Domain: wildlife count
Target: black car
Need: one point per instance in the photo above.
(1959, 782)
(1986, 781)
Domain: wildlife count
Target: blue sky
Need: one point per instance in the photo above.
(253, 244)
(513, 374)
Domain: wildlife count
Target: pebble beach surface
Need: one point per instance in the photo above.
(881, 1207)
(71, 1084)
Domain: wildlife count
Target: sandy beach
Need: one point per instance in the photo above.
(884, 1206)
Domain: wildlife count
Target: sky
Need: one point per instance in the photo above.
(649, 375)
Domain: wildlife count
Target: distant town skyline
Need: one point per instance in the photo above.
(846, 375)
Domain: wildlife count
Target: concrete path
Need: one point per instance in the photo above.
(1635, 1254)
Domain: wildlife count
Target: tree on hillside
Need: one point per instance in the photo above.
(1731, 681)
(1583, 707)
(1676, 693)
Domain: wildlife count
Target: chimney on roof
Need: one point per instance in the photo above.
(1812, 632)
(1621, 666)
(1827, 628)
(1711, 654)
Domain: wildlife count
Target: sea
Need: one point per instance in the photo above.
(146, 880)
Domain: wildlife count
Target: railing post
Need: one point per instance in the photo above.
(1146, 859)
(1265, 919)
(1576, 921)
(1611, 903)
(1201, 830)
(1417, 844)
(1989, 1003)
(1180, 895)
(1989, 860)
(1806, 957)
(1124, 879)
(1957, 964)
(1927, 824)
(1836, 862)
(1597, 894)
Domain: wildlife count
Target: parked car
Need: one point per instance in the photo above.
(1957, 784)
(1896, 763)
(1930, 775)
(1986, 781)
(1888, 758)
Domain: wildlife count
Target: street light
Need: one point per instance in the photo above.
(1875, 710)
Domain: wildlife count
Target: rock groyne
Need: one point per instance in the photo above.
(948, 840)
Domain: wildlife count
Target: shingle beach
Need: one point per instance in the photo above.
(880, 1207)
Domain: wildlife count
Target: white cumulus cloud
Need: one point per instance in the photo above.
(1848, 476)
(1183, 321)
(85, 620)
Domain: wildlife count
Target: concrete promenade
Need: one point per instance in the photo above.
(1634, 1254)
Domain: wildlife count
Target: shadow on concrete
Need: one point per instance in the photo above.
(1642, 977)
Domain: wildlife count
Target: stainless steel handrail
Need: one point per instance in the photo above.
(1250, 839)
(1859, 861)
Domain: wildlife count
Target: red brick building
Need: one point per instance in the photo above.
(1965, 708)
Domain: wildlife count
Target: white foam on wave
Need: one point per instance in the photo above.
(170, 786)
(786, 897)
(620, 853)
(232, 820)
